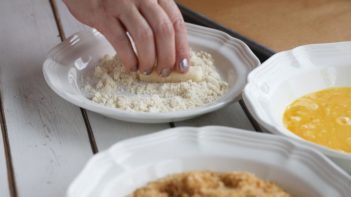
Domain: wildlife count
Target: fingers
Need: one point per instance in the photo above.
(116, 35)
(163, 33)
(142, 36)
(181, 39)
(157, 29)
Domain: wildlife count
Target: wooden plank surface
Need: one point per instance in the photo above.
(68, 24)
(4, 184)
(47, 135)
(106, 131)
(280, 24)
(231, 116)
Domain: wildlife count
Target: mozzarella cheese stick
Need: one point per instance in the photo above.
(194, 73)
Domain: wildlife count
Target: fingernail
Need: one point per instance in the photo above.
(183, 65)
(165, 72)
(147, 72)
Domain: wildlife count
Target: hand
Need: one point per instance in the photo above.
(156, 27)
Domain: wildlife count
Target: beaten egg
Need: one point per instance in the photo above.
(322, 117)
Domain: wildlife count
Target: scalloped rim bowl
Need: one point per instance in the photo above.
(80, 52)
(289, 75)
(132, 163)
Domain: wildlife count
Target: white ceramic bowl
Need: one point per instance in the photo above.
(132, 163)
(69, 63)
(289, 75)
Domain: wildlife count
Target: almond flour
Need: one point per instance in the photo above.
(119, 89)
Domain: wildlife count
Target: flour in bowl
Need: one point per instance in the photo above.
(117, 88)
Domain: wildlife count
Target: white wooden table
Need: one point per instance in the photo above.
(45, 141)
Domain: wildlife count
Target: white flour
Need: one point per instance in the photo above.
(119, 89)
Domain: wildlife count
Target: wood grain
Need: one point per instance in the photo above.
(68, 24)
(280, 24)
(47, 135)
(232, 115)
(106, 131)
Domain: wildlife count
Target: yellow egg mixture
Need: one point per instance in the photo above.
(322, 117)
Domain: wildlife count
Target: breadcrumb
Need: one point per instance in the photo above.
(210, 184)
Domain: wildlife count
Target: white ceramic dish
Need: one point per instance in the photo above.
(70, 62)
(132, 163)
(289, 75)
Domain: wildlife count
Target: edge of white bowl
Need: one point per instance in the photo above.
(264, 119)
(160, 117)
(129, 145)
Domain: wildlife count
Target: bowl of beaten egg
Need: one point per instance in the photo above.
(305, 94)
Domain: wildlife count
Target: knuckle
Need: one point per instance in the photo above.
(164, 29)
(178, 23)
(101, 28)
(123, 2)
(144, 35)
(148, 3)
(120, 38)
(105, 4)
(182, 49)
(110, 7)
(97, 20)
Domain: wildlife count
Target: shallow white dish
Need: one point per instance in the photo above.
(132, 163)
(70, 62)
(289, 75)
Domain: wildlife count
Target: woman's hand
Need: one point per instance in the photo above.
(156, 27)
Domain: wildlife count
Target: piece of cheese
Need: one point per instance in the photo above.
(194, 73)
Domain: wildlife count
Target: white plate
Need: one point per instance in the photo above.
(289, 75)
(74, 59)
(130, 164)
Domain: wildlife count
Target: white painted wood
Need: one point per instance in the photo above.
(4, 184)
(231, 116)
(69, 24)
(47, 135)
(106, 131)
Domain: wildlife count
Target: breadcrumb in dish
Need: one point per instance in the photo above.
(117, 88)
(210, 184)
